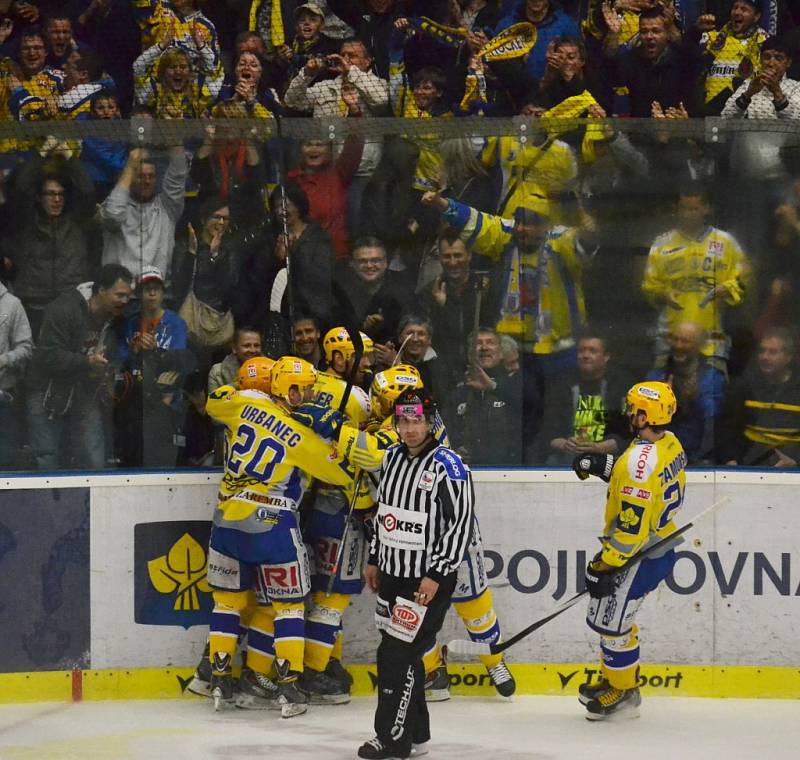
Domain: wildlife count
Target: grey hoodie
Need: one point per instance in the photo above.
(16, 343)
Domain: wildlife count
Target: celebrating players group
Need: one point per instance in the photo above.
(326, 485)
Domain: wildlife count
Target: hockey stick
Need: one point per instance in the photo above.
(358, 353)
(462, 646)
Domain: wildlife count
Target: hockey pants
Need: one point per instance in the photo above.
(401, 717)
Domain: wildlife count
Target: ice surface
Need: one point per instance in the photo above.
(533, 728)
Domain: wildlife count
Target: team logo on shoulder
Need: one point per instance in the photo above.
(630, 518)
(426, 480)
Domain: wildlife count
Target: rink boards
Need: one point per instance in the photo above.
(106, 594)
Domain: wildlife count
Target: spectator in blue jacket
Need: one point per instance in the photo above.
(103, 159)
(550, 21)
(155, 352)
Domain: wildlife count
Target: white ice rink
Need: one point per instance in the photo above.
(467, 728)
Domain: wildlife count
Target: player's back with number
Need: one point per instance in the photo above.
(267, 453)
(645, 494)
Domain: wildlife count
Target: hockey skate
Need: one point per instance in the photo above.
(201, 680)
(589, 691)
(292, 699)
(337, 672)
(437, 685)
(221, 684)
(375, 749)
(256, 692)
(622, 703)
(502, 679)
(322, 689)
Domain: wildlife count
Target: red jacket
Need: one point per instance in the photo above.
(326, 189)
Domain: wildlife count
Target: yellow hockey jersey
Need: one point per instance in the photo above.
(531, 176)
(688, 270)
(726, 53)
(269, 460)
(644, 494)
(543, 304)
(329, 390)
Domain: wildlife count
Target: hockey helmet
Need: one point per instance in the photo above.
(289, 371)
(389, 384)
(415, 402)
(255, 374)
(338, 339)
(654, 398)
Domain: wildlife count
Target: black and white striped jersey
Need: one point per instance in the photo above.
(425, 513)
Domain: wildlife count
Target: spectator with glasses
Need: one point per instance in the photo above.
(378, 295)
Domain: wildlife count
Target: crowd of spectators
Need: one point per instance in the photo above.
(530, 275)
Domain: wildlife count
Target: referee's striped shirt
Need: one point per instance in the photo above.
(425, 513)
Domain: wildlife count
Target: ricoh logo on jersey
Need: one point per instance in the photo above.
(641, 461)
(529, 571)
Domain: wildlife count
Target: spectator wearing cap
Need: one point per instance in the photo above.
(731, 53)
(550, 21)
(72, 381)
(48, 244)
(154, 349)
(309, 40)
(138, 219)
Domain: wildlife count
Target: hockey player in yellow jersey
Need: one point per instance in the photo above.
(255, 532)
(645, 491)
(330, 522)
(254, 689)
(695, 272)
(472, 597)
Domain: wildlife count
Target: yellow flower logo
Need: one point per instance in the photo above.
(183, 572)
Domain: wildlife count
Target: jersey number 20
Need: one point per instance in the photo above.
(259, 459)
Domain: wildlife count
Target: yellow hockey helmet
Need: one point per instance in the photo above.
(255, 374)
(654, 398)
(289, 371)
(388, 385)
(338, 339)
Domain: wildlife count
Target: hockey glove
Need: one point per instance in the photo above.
(600, 583)
(593, 464)
(323, 420)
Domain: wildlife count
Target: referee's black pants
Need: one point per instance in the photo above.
(402, 715)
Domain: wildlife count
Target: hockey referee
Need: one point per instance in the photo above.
(423, 526)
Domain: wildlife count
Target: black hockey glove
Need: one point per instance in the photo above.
(593, 464)
(600, 583)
